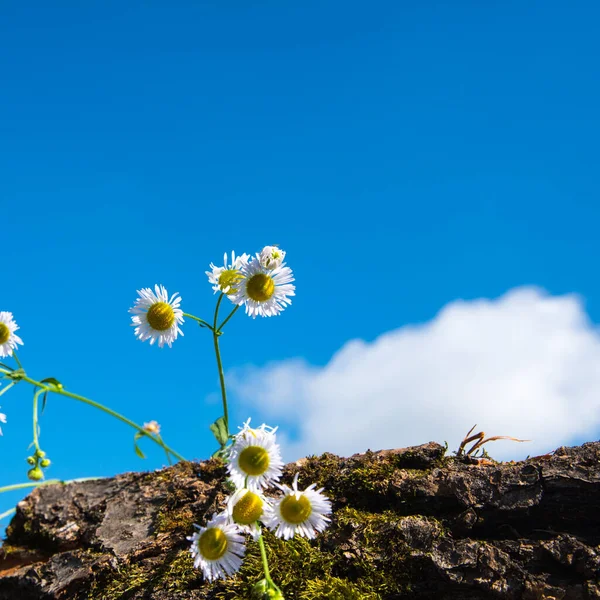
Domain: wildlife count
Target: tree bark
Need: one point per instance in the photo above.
(407, 523)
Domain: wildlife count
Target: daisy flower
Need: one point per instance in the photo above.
(263, 290)
(8, 338)
(245, 508)
(217, 549)
(156, 317)
(271, 257)
(303, 513)
(225, 278)
(254, 458)
(2, 420)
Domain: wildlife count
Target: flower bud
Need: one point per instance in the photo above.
(259, 590)
(40, 453)
(271, 257)
(45, 462)
(30, 460)
(35, 474)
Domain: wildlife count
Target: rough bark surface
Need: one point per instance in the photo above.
(408, 523)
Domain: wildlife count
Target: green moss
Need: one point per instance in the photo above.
(336, 589)
(367, 481)
(168, 521)
(178, 574)
(377, 554)
(175, 574)
(364, 555)
(175, 515)
(124, 580)
(291, 563)
(7, 550)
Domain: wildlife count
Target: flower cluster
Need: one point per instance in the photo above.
(261, 283)
(255, 464)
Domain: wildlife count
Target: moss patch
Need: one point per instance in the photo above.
(336, 589)
(125, 580)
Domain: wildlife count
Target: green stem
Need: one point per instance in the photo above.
(8, 513)
(216, 334)
(36, 442)
(166, 451)
(265, 562)
(14, 354)
(199, 320)
(227, 319)
(20, 486)
(107, 410)
(3, 391)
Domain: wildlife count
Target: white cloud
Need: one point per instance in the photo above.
(526, 365)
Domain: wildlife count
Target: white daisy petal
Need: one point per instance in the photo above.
(299, 512)
(156, 316)
(225, 278)
(264, 291)
(2, 420)
(8, 338)
(217, 549)
(254, 458)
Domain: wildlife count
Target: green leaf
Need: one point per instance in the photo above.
(52, 382)
(137, 449)
(220, 431)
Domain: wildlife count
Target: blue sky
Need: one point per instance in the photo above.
(405, 156)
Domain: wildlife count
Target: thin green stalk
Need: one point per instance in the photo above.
(20, 486)
(107, 410)
(265, 562)
(36, 442)
(14, 354)
(166, 451)
(199, 320)
(229, 317)
(4, 390)
(216, 334)
(8, 513)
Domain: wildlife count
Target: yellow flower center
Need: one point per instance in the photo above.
(228, 278)
(212, 544)
(160, 316)
(4, 333)
(248, 509)
(295, 511)
(254, 460)
(260, 287)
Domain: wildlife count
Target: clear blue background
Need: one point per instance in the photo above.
(404, 154)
